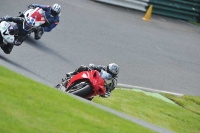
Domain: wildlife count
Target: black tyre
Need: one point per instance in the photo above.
(84, 91)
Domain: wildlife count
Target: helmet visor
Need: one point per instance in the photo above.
(53, 13)
(110, 71)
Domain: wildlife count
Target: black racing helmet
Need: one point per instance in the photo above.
(13, 30)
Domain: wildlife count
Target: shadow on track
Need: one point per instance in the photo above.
(40, 46)
(19, 66)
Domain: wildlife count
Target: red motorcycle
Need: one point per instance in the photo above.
(86, 84)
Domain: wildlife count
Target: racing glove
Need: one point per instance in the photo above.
(106, 95)
(31, 6)
(5, 18)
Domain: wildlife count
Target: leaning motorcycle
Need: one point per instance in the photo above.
(38, 14)
(86, 84)
(5, 37)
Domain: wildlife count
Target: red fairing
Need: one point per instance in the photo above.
(37, 14)
(95, 79)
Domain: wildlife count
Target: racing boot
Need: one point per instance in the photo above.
(38, 33)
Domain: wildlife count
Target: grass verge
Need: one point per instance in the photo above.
(30, 107)
(182, 117)
(195, 23)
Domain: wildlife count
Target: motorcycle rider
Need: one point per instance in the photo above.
(108, 73)
(52, 14)
(24, 25)
(8, 33)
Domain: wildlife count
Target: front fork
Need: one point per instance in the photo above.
(62, 85)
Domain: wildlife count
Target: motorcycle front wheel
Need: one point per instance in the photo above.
(84, 91)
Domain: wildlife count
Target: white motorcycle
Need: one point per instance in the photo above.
(39, 17)
(37, 13)
(8, 30)
(6, 35)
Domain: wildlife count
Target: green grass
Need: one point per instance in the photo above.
(195, 23)
(182, 117)
(187, 102)
(30, 107)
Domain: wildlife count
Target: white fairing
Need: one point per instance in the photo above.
(38, 14)
(7, 38)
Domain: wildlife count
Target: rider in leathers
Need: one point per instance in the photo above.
(108, 73)
(8, 33)
(52, 14)
(24, 32)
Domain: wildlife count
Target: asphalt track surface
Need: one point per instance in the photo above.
(163, 54)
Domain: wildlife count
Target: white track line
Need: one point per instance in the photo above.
(148, 89)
